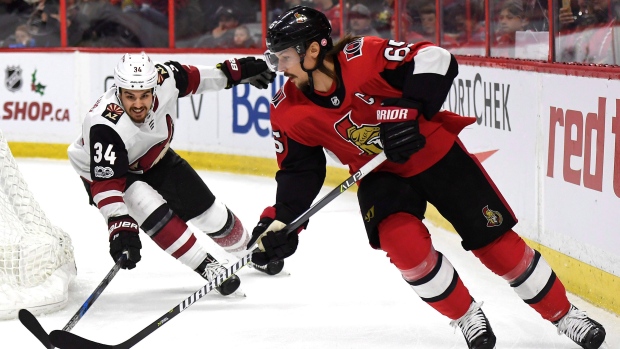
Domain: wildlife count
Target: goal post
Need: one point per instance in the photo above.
(36, 257)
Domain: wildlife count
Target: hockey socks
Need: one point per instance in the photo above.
(431, 275)
(528, 274)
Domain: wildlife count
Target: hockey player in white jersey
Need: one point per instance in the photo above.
(137, 181)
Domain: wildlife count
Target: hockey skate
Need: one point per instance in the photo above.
(271, 268)
(584, 331)
(210, 268)
(476, 328)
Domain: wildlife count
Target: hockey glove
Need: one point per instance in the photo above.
(401, 139)
(247, 70)
(273, 244)
(124, 237)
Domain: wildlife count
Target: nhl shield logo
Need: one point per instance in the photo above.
(13, 78)
(335, 101)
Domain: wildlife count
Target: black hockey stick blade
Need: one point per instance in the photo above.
(64, 339)
(34, 326)
(68, 340)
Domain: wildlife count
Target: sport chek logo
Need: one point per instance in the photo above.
(113, 112)
(365, 137)
(494, 218)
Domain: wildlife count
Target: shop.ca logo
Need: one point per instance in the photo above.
(13, 78)
(36, 86)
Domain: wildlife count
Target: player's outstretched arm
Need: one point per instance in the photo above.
(247, 70)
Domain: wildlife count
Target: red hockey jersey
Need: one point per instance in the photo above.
(345, 120)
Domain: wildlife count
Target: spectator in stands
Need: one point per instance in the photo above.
(360, 21)
(466, 30)
(406, 33)
(189, 17)
(511, 18)
(537, 15)
(587, 38)
(22, 38)
(12, 14)
(44, 24)
(383, 19)
(331, 9)
(428, 20)
(223, 35)
(243, 38)
(107, 25)
(155, 11)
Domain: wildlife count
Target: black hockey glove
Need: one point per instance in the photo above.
(273, 244)
(401, 139)
(247, 70)
(124, 236)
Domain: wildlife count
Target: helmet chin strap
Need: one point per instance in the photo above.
(318, 64)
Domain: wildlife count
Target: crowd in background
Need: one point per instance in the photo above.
(584, 29)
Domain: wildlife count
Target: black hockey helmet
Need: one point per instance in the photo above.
(298, 26)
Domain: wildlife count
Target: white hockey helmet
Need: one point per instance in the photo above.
(135, 72)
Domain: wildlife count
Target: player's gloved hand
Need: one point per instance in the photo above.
(247, 70)
(273, 243)
(401, 139)
(124, 236)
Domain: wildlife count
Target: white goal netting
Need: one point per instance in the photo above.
(36, 258)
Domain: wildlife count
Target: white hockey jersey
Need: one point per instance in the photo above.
(112, 145)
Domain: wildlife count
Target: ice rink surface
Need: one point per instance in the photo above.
(336, 292)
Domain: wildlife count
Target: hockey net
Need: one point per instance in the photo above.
(36, 258)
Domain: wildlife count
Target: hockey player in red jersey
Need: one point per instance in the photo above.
(136, 180)
(366, 95)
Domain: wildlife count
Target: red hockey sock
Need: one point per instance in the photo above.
(527, 273)
(408, 245)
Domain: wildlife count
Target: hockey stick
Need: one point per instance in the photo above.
(68, 340)
(34, 326)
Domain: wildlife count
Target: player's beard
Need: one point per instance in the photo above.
(302, 85)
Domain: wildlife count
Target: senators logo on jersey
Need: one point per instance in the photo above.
(113, 112)
(353, 49)
(494, 218)
(365, 137)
